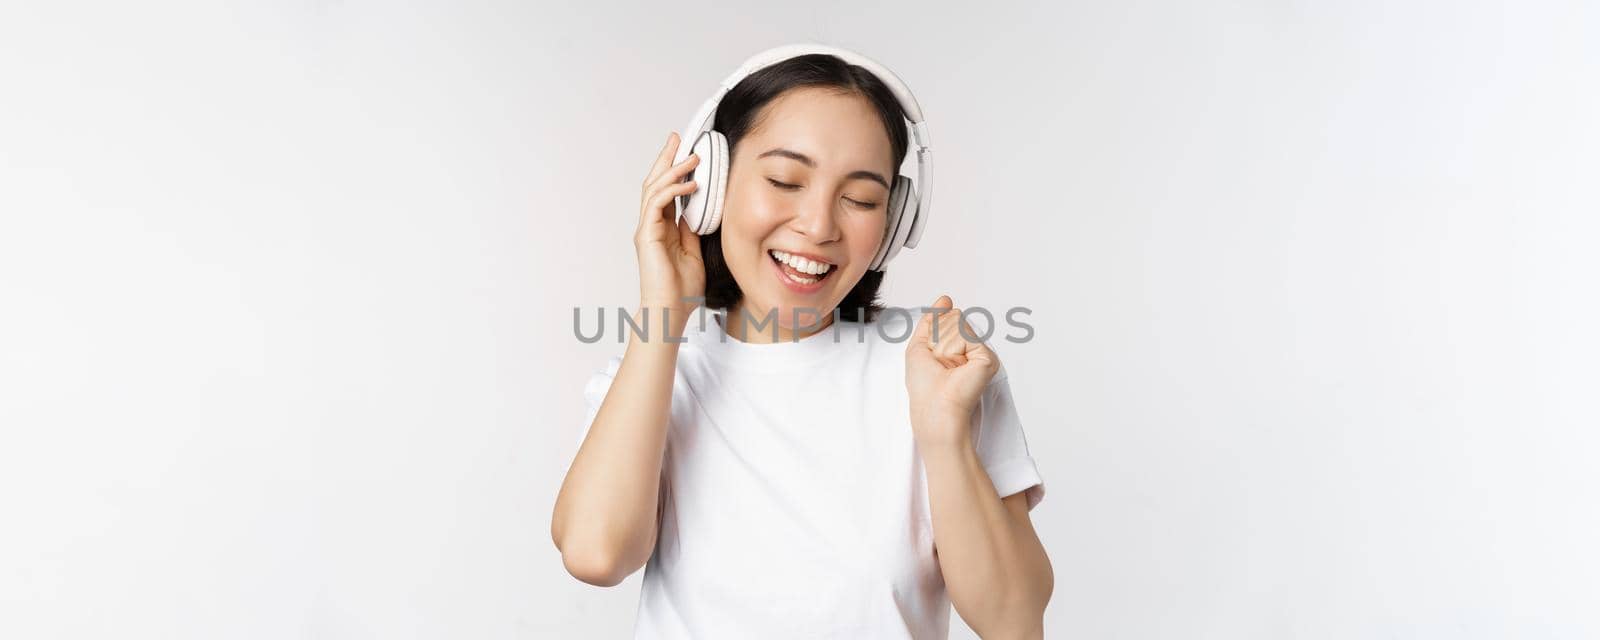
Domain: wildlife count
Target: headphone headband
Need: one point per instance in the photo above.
(779, 54)
(705, 116)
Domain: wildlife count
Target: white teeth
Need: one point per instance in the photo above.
(802, 265)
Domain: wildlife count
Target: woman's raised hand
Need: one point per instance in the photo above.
(946, 374)
(670, 267)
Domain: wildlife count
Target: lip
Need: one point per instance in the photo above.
(783, 278)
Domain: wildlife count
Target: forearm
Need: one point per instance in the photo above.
(997, 574)
(604, 520)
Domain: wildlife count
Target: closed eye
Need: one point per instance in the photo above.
(791, 187)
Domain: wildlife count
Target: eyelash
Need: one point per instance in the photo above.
(791, 187)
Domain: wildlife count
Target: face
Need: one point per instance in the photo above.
(808, 186)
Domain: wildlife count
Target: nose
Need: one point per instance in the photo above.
(814, 219)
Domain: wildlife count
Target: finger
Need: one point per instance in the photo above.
(664, 158)
(658, 208)
(919, 356)
(675, 173)
(962, 330)
(951, 349)
(660, 199)
(949, 362)
(688, 238)
(943, 321)
(957, 338)
(985, 357)
(920, 335)
(978, 346)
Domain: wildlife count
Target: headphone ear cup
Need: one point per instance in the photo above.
(703, 208)
(902, 213)
(717, 162)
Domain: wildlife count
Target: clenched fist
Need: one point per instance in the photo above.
(946, 374)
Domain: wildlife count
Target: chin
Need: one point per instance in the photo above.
(774, 290)
(811, 312)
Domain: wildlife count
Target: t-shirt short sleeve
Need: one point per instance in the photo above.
(594, 393)
(1002, 446)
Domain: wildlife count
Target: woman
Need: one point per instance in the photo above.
(807, 476)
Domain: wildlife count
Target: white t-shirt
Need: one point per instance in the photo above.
(796, 504)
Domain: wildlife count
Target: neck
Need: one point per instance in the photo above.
(758, 328)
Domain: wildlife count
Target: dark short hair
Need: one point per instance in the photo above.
(736, 115)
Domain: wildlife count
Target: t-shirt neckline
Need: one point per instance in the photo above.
(709, 334)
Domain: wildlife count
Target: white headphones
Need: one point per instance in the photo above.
(908, 212)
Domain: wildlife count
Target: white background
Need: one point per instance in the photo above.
(285, 303)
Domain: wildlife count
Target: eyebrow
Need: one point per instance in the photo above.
(807, 161)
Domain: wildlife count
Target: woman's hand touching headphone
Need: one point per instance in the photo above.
(670, 267)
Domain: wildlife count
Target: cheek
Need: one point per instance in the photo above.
(866, 233)
(741, 216)
(748, 219)
(748, 214)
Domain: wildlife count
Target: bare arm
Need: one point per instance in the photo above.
(995, 569)
(607, 513)
(994, 566)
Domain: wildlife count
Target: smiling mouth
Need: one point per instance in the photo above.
(799, 270)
